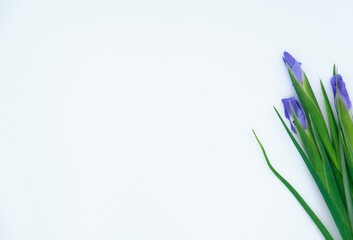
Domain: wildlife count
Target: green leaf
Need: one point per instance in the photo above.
(310, 107)
(347, 150)
(334, 69)
(306, 207)
(310, 147)
(332, 186)
(334, 137)
(331, 118)
(338, 213)
(345, 126)
(308, 89)
(346, 119)
(346, 185)
(345, 141)
(339, 181)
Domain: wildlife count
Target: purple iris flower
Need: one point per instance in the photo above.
(342, 91)
(287, 102)
(294, 65)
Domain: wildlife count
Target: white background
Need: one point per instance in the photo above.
(132, 119)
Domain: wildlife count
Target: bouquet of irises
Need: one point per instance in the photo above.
(327, 149)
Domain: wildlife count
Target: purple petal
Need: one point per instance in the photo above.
(287, 103)
(294, 65)
(337, 81)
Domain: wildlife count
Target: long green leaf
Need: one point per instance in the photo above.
(329, 175)
(308, 89)
(331, 118)
(346, 185)
(339, 214)
(334, 136)
(346, 146)
(306, 207)
(339, 181)
(310, 107)
(310, 147)
(345, 150)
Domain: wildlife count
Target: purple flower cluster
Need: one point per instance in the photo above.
(337, 83)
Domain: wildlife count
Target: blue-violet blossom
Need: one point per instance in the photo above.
(294, 66)
(342, 91)
(287, 103)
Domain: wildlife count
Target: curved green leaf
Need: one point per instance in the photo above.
(306, 207)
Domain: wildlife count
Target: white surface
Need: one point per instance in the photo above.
(132, 119)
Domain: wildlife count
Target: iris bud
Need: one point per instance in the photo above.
(298, 111)
(339, 90)
(294, 65)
